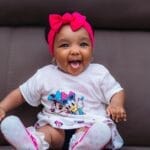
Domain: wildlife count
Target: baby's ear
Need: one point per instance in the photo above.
(53, 61)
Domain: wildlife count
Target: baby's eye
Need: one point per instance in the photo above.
(84, 44)
(65, 45)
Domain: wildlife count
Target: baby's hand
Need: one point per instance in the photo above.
(2, 113)
(117, 113)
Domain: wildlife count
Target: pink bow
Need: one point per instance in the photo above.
(75, 20)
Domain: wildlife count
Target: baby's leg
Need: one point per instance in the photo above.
(94, 137)
(20, 137)
(54, 136)
(16, 134)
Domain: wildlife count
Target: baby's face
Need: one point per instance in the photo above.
(72, 50)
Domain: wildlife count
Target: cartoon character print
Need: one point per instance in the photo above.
(69, 103)
(58, 123)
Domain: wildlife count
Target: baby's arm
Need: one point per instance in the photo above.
(116, 108)
(10, 102)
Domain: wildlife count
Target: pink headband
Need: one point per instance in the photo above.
(76, 21)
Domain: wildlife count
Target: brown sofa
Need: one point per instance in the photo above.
(122, 44)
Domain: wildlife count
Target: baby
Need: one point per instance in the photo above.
(75, 94)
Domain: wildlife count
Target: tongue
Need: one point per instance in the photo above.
(75, 65)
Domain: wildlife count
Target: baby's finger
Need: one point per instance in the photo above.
(114, 116)
(118, 117)
(108, 112)
(124, 116)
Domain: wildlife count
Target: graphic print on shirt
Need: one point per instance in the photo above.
(66, 102)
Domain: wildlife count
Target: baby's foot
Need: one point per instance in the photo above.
(94, 137)
(16, 134)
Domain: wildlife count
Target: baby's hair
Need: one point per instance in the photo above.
(47, 29)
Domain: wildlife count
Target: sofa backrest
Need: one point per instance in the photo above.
(122, 44)
(112, 14)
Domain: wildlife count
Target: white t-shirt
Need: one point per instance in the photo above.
(70, 101)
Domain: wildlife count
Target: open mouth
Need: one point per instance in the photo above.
(75, 63)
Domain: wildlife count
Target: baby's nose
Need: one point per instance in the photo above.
(75, 51)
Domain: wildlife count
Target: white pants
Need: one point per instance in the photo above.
(92, 138)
